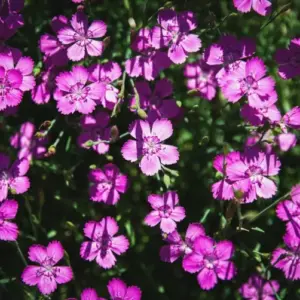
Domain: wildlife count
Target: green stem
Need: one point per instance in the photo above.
(120, 96)
(61, 134)
(136, 95)
(20, 253)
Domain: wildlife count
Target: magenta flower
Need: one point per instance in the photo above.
(292, 118)
(103, 244)
(81, 38)
(286, 141)
(249, 80)
(77, 1)
(13, 177)
(9, 25)
(107, 184)
(150, 61)
(174, 33)
(10, 7)
(166, 212)
(288, 260)
(15, 77)
(148, 145)
(55, 52)
(289, 60)
(258, 288)
(158, 103)
(289, 211)
(251, 172)
(262, 7)
(177, 246)
(75, 93)
(8, 231)
(29, 146)
(106, 74)
(211, 260)
(46, 276)
(202, 77)
(95, 129)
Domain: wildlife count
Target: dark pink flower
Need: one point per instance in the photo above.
(165, 211)
(149, 146)
(108, 184)
(75, 93)
(158, 103)
(46, 276)
(95, 129)
(174, 33)
(258, 288)
(8, 231)
(211, 260)
(80, 38)
(9, 26)
(13, 177)
(262, 7)
(103, 245)
(292, 118)
(177, 246)
(150, 61)
(288, 260)
(106, 74)
(9, 7)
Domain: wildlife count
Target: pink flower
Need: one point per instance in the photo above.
(289, 211)
(75, 93)
(157, 103)
(292, 118)
(81, 38)
(288, 260)
(46, 276)
(119, 290)
(77, 1)
(108, 184)
(15, 77)
(95, 129)
(8, 231)
(13, 177)
(251, 173)
(104, 244)
(258, 288)
(177, 246)
(173, 33)
(202, 77)
(148, 145)
(211, 260)
(262, 7)
(150, 62)
(166, 212)
(289, 60)
(249, 80)
(55, 52)
(286, 141)
(29, 146)
(106, 74)
(9, 25)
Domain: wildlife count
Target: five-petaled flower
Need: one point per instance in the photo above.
(262, 7)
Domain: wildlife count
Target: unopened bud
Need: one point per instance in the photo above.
(51, 151)
(132, 23)
(106, 42)
(142, 114)
(39, 135)
(45, 125)
(114, 133)
(88, 144)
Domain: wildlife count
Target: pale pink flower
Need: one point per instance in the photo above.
(8, 231)
(262, 7)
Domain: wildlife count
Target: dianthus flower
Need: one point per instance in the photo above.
(211, 260)
(108, 184)
(289, 60)
(150, 61)
(258, 288)
(106, 74)
(15, 77)
(29, 146)
(249, 79)
(292, 118)
(8, 231)
(174, 33)
(288, 260)
(166, 212)
(289, 211)
(46, 276)
(75, 93)
(77, 1)
(202, 77)
(148, 145)
(9, 26)
(81, 38)
(178, 247)
(55, 52)
(262, 7)
(103, 244)
(13, 177)
(10, 7)
(158, 103)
